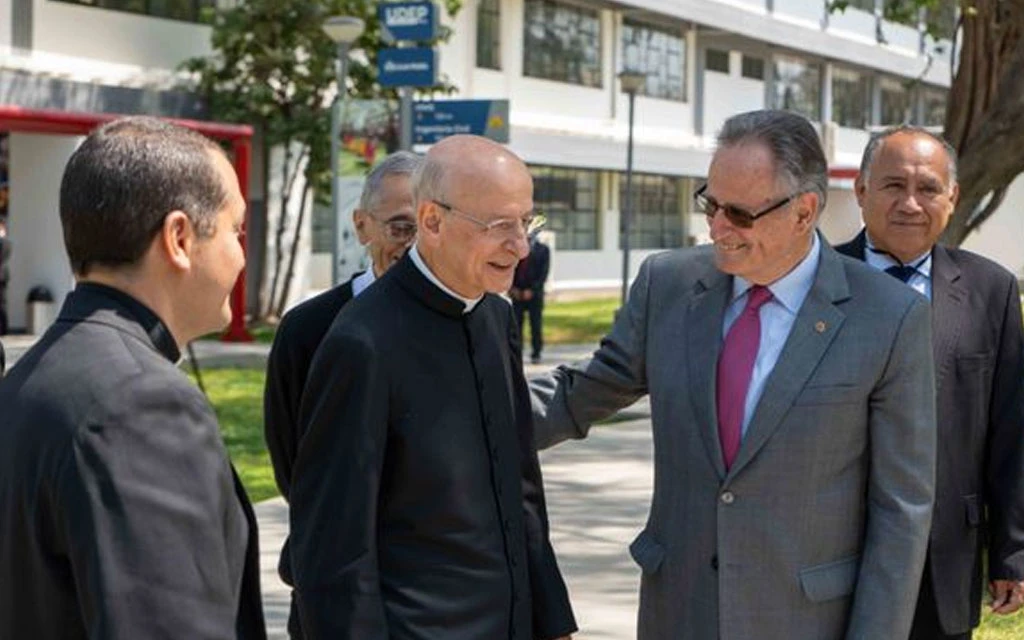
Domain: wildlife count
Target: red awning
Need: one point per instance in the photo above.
(21, 120)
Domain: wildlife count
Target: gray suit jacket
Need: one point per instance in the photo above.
(820, 527)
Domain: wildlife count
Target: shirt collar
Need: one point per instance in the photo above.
(791, 289)
(149, 321)
(417, 260)
(362, 281)
(881, 261)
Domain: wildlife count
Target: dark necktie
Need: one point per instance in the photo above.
(903, 271)
(735, 368)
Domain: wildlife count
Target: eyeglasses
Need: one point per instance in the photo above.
(397, 230)
(529, 224)
(736, 215)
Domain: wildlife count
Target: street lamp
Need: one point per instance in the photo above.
(343, 30)
(631, 82)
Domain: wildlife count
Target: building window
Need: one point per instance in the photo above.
(933, 105)
(659, 53)
(187, 10)
(488, 34)
(753, 68)
(851, 98)
(796, 87)
(658, 210)
(562, 42)
(716, 60)
(895, 101)
(569, 199)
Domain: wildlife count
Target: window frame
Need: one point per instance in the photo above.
(491, 10)
(195, 15)
(589, 73)
(564, 220)
(663, 56)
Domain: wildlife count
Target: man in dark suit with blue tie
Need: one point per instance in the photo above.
(907, 190)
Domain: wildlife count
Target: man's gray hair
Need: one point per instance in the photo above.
(428, 181)
(877, 139)
(400, 163)
(791, 140)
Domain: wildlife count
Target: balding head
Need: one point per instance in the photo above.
(465, 185)
(459, 162)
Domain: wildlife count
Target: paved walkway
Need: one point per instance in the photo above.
(598, 491)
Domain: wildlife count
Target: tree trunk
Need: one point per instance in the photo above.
(986, 110)
(296, 236)
(282, 220)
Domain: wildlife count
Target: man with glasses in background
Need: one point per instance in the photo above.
(417, 506)
(793, 412)
(385, 223)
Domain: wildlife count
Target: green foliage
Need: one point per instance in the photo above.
(237, 399)
(939, 15)
(274, 67)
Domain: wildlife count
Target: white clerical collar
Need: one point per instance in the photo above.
(417, 260)
(362, 281)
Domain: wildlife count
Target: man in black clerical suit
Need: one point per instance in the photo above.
(907, 190)
(417, 506)
(386, 224)
(120, 515)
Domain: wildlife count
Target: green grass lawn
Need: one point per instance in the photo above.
(237, 397)
(1000, 627)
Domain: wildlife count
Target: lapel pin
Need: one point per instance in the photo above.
(820, 326)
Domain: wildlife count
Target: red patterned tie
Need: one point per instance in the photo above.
(735, 368)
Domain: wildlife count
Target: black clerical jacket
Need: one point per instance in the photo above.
(417, 507)
(120, 515)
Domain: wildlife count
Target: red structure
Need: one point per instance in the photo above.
(20, 120)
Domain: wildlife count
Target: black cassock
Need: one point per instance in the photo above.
(417, 507)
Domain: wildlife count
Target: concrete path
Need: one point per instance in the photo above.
(598, 492)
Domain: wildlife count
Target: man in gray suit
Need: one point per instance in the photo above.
(793, 411)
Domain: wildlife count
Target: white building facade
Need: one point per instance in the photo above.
(556, 61)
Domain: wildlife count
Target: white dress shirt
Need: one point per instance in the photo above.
(363, 280)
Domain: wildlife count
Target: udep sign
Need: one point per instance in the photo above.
(416, 21)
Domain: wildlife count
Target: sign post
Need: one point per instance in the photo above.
(409, 66)
(437, 119)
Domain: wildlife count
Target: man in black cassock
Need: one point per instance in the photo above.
(385, 223)
(417, 506)
(120, 514)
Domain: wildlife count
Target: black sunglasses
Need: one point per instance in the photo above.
(736, 215)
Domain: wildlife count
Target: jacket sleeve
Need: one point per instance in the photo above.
(155, 534)
(901, 484)
(567, 401)
(552, 611)
(281, 397)
(335, 486)
(1004, 468)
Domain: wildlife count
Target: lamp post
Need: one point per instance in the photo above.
(631, 82)
(343, 30)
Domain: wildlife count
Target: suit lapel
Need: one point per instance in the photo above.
(948, 296)
(704, 341)
(816, 325)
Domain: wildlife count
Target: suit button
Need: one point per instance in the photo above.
(728, 497)
(714, 562)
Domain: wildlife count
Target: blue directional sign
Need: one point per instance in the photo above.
(407, 67)
(415, 21)
(437, 119)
